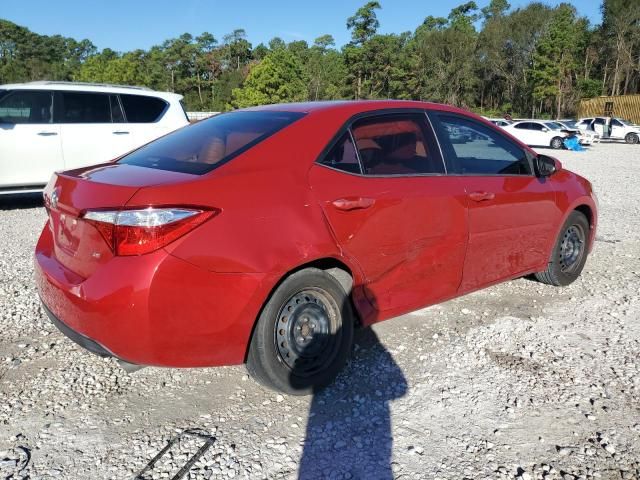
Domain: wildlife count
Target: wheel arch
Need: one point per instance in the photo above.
(586, 211)
(336, 267)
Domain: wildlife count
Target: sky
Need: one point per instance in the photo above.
(130, 24)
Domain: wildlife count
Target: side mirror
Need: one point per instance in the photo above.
(545, 129)
(547, 166)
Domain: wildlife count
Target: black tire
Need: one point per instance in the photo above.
(569, 253)
(304, 334)
(556, 143)
(631, 138)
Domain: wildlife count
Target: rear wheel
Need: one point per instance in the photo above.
(304, 334)
(556, 143)
(631, 138)
(569, 253)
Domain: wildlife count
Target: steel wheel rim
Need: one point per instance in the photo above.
(306, 332)
(572, 248)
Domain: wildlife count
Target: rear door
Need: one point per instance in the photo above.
(393, 211)
(524, 133)
(511, 211)
(30, 147)
(539, 134)
(143, 115)
(89, 135)
(600, 127)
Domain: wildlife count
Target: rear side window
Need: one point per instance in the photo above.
(80, 107)
(142, 109)
(343, 156)
(24, 106)
(205, 145)
(479, 150)
(396, 145)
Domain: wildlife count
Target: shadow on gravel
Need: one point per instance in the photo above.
(349, 428)
(20, 201)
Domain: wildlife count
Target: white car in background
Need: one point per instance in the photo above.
(537, 133)
(612, 128)
(585, 137)
(51, 126)
(500, 122)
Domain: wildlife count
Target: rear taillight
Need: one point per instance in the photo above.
(140, 231)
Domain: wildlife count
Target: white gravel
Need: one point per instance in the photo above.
(519, 381)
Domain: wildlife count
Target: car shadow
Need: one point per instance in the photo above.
(19, 201)
(348, 433)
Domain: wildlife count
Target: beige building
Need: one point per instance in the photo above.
(621, 106)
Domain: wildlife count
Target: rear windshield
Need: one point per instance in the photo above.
(206, 145)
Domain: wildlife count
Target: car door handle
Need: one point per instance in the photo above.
(121, 132)
(481, 196)
(47, 134)
(353, 203)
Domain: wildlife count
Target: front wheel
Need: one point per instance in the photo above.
(304, 334)
(569, 253)
(631, 138)
(556, 143)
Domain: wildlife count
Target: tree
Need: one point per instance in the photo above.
(621, 28)
(363, 26)
(554, 59)
(364, 23)
(442, 51)
(278, 78)
(325, 69)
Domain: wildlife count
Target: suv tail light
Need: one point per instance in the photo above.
(140, 231)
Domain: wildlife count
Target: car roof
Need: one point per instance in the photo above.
(90, 87)
(357, 106)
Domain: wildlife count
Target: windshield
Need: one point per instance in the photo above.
(206, 145)
(553, 126)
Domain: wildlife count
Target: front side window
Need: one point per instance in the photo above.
(203, 146)
(142, 109)
(485, 151)
(396, 144)
(80, 107)
(24, 106)
(616, 123)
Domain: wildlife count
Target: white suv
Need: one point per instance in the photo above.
(50, 126)
(613, 128)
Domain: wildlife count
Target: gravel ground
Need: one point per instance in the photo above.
(518, 381)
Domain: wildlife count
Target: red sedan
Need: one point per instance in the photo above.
(266, 235)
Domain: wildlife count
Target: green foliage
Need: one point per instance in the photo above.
(278, 78)
(535, 60)
(364, 23)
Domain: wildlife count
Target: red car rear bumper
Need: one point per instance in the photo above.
(152, 309)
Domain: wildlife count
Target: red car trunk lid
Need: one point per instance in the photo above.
(78, 245)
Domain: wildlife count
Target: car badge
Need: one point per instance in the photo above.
(53, 201)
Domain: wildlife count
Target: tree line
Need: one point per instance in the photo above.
(533, 61)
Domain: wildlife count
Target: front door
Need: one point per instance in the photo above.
(393, 211)
(511, 211)
(30, 148)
